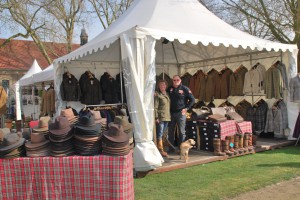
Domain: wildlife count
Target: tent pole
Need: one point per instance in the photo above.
(121, 74)
(178, 65)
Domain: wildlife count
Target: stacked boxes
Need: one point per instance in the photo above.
(208, 131)
(191, 131)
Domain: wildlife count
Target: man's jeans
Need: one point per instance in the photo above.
(177, 118)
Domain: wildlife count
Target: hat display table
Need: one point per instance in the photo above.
(73, 177)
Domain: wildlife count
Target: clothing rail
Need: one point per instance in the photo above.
(225, 60)
(102, 105)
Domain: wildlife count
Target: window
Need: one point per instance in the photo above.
(5, 84)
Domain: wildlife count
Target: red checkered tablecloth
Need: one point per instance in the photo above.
(75, 177)
(245, 126)
(227, 128)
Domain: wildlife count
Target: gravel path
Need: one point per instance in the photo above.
(286, 190)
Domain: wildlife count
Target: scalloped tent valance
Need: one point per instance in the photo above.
(187, 22)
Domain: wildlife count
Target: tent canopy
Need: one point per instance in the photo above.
(45, 75)
(27, 79)
(137, 41)
(189, 22)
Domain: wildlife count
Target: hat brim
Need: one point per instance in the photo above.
(30, 145)
(13, 146)
(37, 129)
(60, 131)
(120, 138)
(95, 127)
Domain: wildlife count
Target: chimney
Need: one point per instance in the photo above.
(83, 37)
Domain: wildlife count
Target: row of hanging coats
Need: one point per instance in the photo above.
(220, 85)
(91, 91)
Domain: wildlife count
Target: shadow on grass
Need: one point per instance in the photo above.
(290, 164)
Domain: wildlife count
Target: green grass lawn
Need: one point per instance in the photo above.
(223, 178)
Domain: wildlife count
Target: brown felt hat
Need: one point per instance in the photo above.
(43, 124)
(37, 140)
(11, 141)
(116, 133)
(60, 126)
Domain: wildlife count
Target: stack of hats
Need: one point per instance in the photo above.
(37, 146)
(12, 146)
(115, 141)
(127, 127)
(42, 126)
(69, 114)
(60, 136)
(87, 135)
(100, 120)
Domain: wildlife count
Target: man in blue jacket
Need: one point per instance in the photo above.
(182, 100)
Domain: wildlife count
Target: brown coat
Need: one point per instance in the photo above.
(224, 83)
(3, 98)
(212, 85)
(48, 102)
(237, 82)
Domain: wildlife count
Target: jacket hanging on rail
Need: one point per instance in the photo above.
(69, 89)
(90, 89)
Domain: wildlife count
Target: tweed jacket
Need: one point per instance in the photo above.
(282, 70)
(282, 106)
(274, 122)
(48, 102)
(251, 83)
(236, 81)
(262, 74)
(224, 82)
(198, 85)
(242, 108)
(162, 106)
(295, 88)
(212, 85)
(3, 97)
(185, 79)
(273, 83)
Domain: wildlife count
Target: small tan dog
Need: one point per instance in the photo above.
(185, 147)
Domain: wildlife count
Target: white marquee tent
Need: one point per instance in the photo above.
(34, 75)
(135, 41)
(27, 79)
(45, 75)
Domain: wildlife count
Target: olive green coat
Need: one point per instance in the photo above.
(162, 106)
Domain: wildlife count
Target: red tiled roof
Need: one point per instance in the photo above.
(20, 54)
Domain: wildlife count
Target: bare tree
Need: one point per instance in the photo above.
(25, 15)
(66, 13)
(108, 11)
